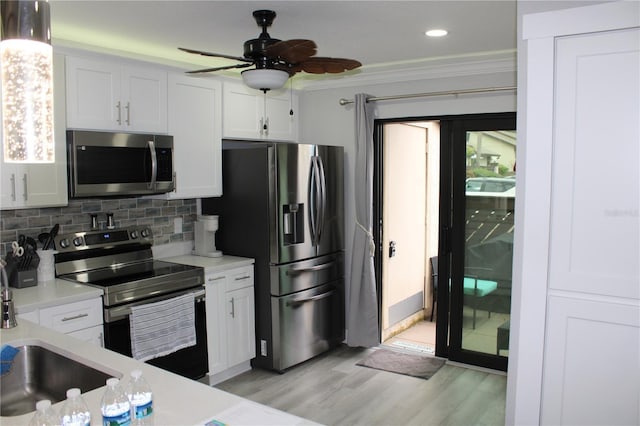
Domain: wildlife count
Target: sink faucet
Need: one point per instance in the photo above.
(8, 312)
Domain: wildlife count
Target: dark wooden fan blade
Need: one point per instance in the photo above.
(320, 65)
(228, 67)
(215, 55)
(292, 51)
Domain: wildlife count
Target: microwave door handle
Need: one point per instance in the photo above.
(154, 165)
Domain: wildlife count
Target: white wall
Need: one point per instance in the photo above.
(324, 121)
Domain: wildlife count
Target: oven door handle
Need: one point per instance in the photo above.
(120, 312)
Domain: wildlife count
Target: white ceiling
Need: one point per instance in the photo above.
(373, 32)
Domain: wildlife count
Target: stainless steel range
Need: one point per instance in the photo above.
(120, 262)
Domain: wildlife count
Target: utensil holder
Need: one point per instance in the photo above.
(46, 267)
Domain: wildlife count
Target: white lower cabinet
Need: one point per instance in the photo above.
(82, 319)
(230, 322)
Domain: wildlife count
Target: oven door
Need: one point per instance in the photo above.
(189, 362)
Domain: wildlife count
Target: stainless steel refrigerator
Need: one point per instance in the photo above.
(283, 205)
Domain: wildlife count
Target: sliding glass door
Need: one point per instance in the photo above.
(480, 238)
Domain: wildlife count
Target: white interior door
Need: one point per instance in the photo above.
(404, 254)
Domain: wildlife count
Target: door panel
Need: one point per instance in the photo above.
(332, 233)
(307, 323)
(404, 250)
(483, 194)
(292, 168)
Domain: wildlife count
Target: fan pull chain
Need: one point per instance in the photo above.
(264, 123)
(291, 96)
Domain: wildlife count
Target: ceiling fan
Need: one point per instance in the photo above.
(274, 60)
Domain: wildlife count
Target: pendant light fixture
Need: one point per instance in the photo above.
(27, 88)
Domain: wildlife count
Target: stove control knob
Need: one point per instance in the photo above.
(77, 241)
(64, 243)
(134, 235)
(146, 232)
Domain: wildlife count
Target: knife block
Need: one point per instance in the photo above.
(25, 278)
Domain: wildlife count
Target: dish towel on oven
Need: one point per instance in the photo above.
(161, 328)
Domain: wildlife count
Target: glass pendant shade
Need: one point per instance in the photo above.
(265, 79)
(26, 70)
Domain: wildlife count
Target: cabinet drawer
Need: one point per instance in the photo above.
(72, 316)
(240, 278)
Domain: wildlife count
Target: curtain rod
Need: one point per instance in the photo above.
(429, 94)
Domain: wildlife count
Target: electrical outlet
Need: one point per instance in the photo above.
(263, 347)
(177, 225)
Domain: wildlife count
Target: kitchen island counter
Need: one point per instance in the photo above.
(176, 399)
(51, 293)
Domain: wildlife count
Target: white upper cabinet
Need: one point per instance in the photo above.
(195, 122)
(40, 185)
(249, 114)
(104, 95)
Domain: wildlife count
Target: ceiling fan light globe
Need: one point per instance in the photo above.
(265, 79)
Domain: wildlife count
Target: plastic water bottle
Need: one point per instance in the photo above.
(75, 411)
(45, 415)
(115, 407)
(141, 399)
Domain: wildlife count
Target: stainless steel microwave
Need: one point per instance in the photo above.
(102, 164)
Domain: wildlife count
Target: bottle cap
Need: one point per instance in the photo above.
(136, 374)
(43, 404)
(73, 392)
(112, 382)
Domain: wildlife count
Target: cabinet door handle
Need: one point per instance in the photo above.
(243, 278)
(215, 279)
(128, 108)
(233, 308)
(119, 119)
(13, 187)
(25, 194)
(75, 317)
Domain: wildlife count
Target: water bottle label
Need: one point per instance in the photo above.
(123, 419)
(144, 410)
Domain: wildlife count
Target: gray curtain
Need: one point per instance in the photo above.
(362, 312)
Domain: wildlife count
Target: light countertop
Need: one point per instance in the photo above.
(211, 264)
(51, 293)
(176, 399)
(58, 291)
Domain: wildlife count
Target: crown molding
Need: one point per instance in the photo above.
(394, 72)
(427, 69)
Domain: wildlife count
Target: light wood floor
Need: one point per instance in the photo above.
(331, 389)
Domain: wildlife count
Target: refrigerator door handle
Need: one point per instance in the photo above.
(297, 271)
(315, 200)
(298, 302)
(323, 198)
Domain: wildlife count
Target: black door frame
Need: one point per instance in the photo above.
(451, 225)
(457, 146)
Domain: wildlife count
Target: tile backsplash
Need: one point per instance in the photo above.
(76, 217)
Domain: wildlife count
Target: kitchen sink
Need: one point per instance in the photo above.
(41, 371)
